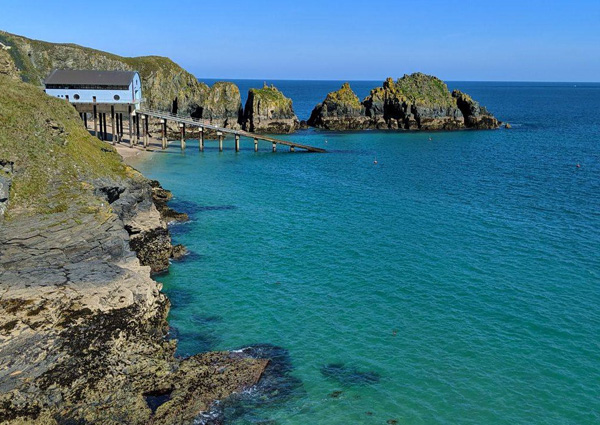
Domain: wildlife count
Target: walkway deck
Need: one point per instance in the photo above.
(203, 124)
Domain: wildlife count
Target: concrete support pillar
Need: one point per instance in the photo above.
(137, 128)
(220, 141)
(105, 131)
(201, 139)
(85, 120)
(112, 124)
(255, 144)
(237, 142)
(274, 147)
(292, 149)
(163, 126)
(143, 117)
(130, 126)
(147, 138)
(182, 129)
(95, 118)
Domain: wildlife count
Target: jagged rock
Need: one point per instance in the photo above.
(223, 106)
(267, 110)
(507, 126)
(341, 110)
(476, 116)
(413, 102)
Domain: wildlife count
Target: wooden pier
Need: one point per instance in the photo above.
(188, 123)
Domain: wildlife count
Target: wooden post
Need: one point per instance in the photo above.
(274, 147)
(182, 128)
(220, 141)
(95, 118)
(255, 144)
(163, 126)
(130, 126)
(201, 139)
(112, 123)
(237, 142)
(85, 119)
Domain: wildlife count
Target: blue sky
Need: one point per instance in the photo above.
(527, 40)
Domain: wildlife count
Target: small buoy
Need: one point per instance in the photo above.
(375, 162)
(578, 166)
(325, 141)
(430, 139)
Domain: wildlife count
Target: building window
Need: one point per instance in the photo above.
(117, 97)
(76, 97)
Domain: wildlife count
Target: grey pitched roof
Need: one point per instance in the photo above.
(99, 78)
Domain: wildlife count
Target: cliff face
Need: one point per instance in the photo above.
(413, 102)
(267, 110)
(341, 110)
(82, 325)
(163, 80)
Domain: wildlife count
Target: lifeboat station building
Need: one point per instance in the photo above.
(98, 94)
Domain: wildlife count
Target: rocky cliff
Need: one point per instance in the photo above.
(82, 325)
(413, 102)
(267, 110)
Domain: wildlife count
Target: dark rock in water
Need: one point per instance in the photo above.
(336, 394)
(276, 387)
(476, 116)
(178, 252)
(413, 102)
(161, 197)
(348, 375)
(269, 111)
(392, 421)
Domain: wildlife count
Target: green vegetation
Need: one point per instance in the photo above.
(271, 95)
(344, 96)
(418, 88)
(54, 156)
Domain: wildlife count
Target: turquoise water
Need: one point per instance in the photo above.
(456, 281)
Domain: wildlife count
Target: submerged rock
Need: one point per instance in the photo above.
(348, 375)
(413, 102)
(267, 110)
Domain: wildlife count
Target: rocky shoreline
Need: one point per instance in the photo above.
(83, 327)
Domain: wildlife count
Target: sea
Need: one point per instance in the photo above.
(401, 277)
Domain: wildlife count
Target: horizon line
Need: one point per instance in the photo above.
(372, 80)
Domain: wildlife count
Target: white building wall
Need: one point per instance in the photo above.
(87, 96)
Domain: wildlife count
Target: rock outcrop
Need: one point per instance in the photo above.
(223, 106)
(413, 102)
(476, 116)
(267, 110)
(82, 325)
(341, 110)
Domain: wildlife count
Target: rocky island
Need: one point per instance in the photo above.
(269, 111)
(413, 102)
(83, 329)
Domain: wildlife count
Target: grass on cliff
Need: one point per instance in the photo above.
(54, 156)
(419, 89)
